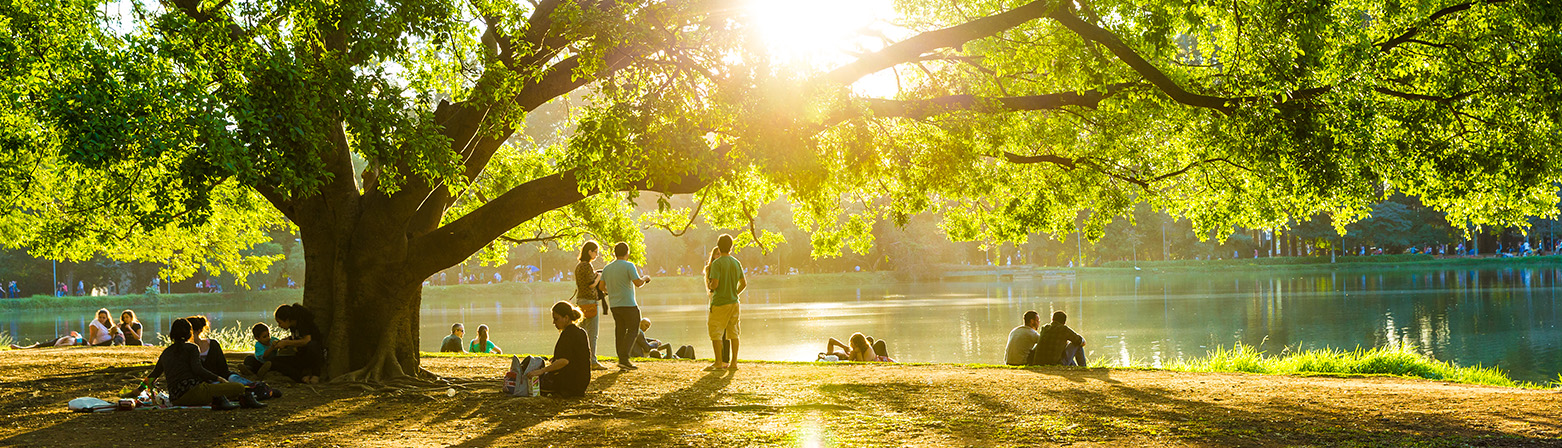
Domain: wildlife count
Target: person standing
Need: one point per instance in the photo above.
(620, 278)
(588, 296)
(725, 280)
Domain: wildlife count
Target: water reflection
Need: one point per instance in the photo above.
(1504, 317)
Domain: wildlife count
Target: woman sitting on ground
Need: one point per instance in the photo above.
(569, 372)
(131, 328)
(304, 342)
(190, 384)
(70, 339)
(862, 349)
(481, 344)
(212, 357)
(102, 332)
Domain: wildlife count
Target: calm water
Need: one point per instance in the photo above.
(1503, 317)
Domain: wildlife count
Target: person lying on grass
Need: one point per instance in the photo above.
(862, 349)
(68, 340)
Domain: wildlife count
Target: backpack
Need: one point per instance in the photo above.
(685, 352)
(516, 383)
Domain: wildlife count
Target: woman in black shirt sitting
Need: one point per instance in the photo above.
(302, 355)
(569, 372)
(190, 384)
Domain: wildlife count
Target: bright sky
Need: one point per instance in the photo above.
(824, 34)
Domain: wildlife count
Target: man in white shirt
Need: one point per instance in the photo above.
(1023, 339)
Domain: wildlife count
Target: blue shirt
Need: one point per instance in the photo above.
(619, 277)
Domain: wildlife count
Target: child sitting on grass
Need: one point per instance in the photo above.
(260, 362)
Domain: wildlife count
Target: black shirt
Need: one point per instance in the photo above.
(180, 364)
(1054, 338)
(130, 338)
(571, 381)
(215, 361)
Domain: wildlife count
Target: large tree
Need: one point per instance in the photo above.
(170, 131)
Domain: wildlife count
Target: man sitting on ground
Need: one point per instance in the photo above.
(1023, 339)
(647, 347)
(1059, 345)
(452, 343)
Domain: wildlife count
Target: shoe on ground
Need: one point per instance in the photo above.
(628, 366)
(222, 404)
(248, 401)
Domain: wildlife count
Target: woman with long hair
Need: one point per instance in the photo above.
(130, 327)
(190, 384)
(862, 349)
(304, 341)
(102, 331)
(212, 357)
(589, 295)
(567, 374)
(481, 344)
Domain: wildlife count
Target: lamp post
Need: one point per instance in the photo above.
(55, 266)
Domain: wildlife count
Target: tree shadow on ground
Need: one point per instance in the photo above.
(1116, 412)
(1075, 374)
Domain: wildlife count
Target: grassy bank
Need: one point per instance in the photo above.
(674, 403)
(1401, 362)
(1314, 264)
(114, 303)
(541, 291)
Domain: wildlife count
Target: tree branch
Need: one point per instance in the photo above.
(913, 48)
(919, 109)
(1090, 31)
(1421, 97)
(453, 242)
(1410, 34)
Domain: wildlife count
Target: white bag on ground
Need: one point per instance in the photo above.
(516, 382)
(89, 404)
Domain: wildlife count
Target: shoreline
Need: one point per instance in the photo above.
(564, 288)
(673, 403)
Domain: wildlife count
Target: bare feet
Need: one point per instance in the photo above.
(733, 366)
(717, 366)
(598, 366)
(311, 380)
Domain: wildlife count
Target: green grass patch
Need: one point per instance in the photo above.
(1401, 362)
(269, 298)
(6, 340)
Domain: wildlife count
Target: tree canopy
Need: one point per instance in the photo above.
(172, 130)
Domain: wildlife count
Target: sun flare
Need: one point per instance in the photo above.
(823, 34)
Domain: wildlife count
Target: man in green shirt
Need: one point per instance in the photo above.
(724, 279)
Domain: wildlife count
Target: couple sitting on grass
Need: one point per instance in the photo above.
(1052, 345)
(452, 343)
(100, 333)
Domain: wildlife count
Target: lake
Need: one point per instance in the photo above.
(1505, 317)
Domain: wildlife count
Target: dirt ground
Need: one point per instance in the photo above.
(672, 403)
